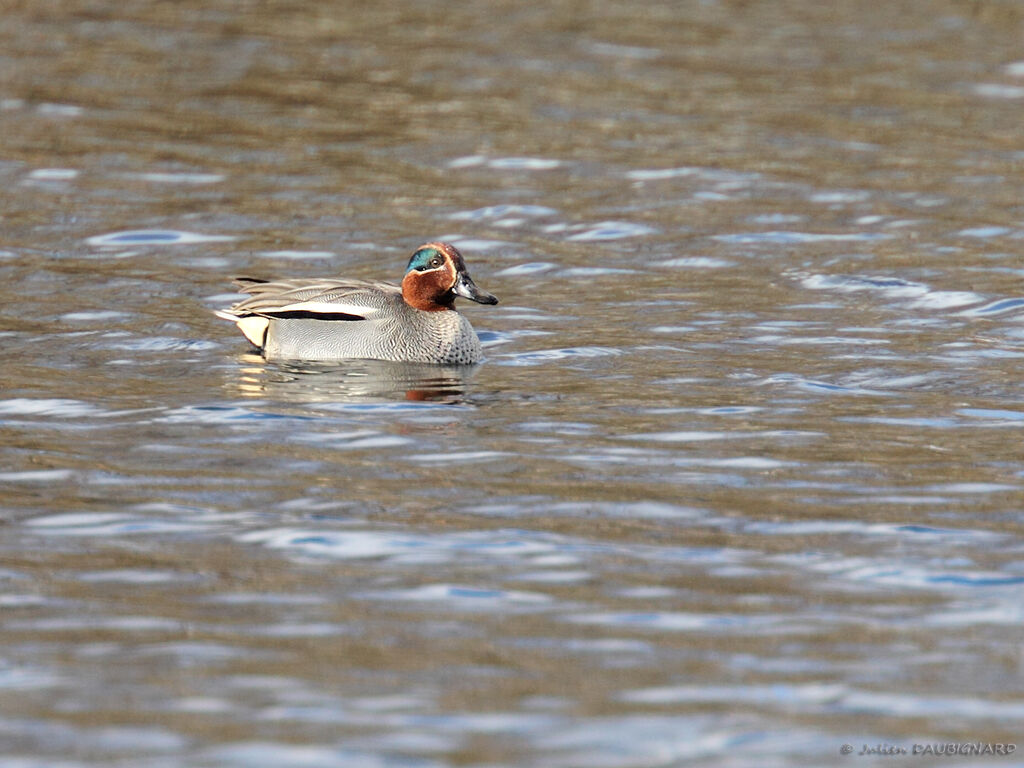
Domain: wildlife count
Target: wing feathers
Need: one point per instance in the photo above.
(312, 299)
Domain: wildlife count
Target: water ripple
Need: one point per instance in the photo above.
(506, 163)
(676, 621)
(460, 597)
(257, 754)
(405, 547)
(178, 178)
(798, 238)
(53, 174)
(548, 355)
(904, 575)
(154, 237)
(298, 255)
(995, 417)
(891, 287)
(995, 307)
(57, 408)
(610, 230)
(26, 678)
(222, 414)
(529, 268)
(984, 232)
(460, 457)
(715, 175)
(695, 262)
(105, 524)
(51, 109)
(37, 476)
(837, 697)
(94, 316)
(785, 696)
(998, 91)
(503, 211)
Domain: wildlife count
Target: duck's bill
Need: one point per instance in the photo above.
(466, 288)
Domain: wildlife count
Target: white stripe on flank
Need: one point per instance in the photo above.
(327, 308)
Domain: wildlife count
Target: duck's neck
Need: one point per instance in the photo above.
(425, 292)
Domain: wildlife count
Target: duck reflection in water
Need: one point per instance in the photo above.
(353, 381)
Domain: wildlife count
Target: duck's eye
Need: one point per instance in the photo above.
(436, 262)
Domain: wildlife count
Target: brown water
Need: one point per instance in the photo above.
(740, 482)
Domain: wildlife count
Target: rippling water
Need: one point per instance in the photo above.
(740, 481)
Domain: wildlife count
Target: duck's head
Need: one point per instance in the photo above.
(435, 276)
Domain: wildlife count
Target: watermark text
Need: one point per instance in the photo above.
(948, 749)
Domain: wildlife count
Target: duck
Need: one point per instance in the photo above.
(335, 319)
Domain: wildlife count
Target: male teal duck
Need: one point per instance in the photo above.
(312, 319)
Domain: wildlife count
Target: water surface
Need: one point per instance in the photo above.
(740, 481)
